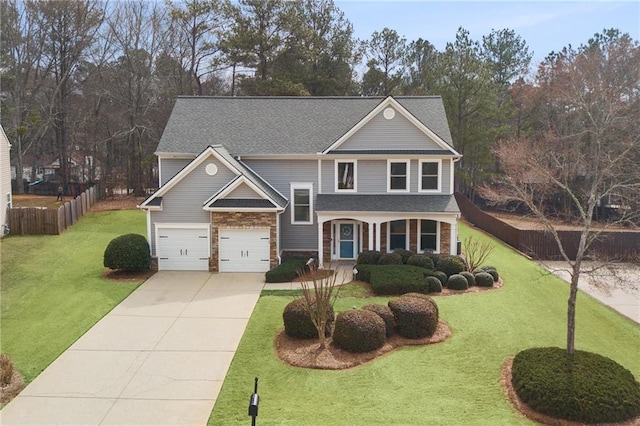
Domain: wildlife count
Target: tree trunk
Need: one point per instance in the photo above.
(571, 310)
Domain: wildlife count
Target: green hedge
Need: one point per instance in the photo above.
(587, 387)
(286, 271)
(129, 252)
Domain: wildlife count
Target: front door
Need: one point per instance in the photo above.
(347, 246)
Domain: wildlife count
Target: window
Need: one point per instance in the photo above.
(428, 236)
(346, 175)
(398, 173)
(302, 203)
(9, 200)
(397, 235)
(430, 175)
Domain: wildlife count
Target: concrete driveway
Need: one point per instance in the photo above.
(158, 358)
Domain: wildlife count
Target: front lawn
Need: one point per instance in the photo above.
(454, 382)
(52, 290)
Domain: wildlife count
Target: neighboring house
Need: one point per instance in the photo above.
(245, 179)
(5, 181)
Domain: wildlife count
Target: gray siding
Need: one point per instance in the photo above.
(280, 174)
(169, 167)
(328, 176)
(447, 170)
(243, 191)
(397, 133)
(183, 203)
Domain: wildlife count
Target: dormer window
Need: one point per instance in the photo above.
(346, 175)
(398, 175)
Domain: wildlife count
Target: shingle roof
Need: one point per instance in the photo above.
(406, 203)
(242, 203)
(280, 125)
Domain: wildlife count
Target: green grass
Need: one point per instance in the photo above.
(52, 290)
(451, 383)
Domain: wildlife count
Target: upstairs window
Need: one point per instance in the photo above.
(346, 175)
(302, 203)
(430, 172)
(398, 175)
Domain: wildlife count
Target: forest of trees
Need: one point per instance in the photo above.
(97, 80)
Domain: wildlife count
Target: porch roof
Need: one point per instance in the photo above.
(404, 203)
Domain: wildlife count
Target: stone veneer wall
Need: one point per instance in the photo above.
(445, 238)
(243, 220)
(326, 242)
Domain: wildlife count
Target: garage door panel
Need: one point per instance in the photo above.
(244, 250)
(183, 249)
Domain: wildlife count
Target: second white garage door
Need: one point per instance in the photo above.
(244, 250)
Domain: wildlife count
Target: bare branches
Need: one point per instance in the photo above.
(476, 251)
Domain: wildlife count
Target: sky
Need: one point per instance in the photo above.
(546, 26)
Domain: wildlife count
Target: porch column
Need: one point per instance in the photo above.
(454, 237)
(320, 241)
(378, 236)
(370, 224)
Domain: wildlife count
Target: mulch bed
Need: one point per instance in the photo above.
(11, 390)
(307, 353)
(528, 412)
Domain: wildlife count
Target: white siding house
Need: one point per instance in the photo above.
(5, 181)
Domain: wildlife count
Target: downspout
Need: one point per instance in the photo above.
(278, 257)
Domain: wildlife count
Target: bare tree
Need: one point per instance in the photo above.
(476, 251)
(587, 150)
(319, 292)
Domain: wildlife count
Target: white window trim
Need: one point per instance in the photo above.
(408, 163)
(437, 250)
(407, 232)
(439, 188)
(355, 175)
(301, 185)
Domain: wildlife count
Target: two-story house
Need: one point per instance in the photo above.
(245, 179)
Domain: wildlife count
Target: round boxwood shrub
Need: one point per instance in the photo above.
(451, 265)
(471, 280)
(390, 259)
(385, 313)
(404, 254)
(457, 282)
(423, 296)
(491, 271)
(369, 257)
(420, 260)
(298, 323)
(359, 331)
(416, 317)
(435, 286)
(441, 276)
(129, 252)
(483, 279)
(585, 387)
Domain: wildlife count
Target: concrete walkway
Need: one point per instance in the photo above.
(158, 358)
(624, 300)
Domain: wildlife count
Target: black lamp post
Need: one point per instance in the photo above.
(253, 404)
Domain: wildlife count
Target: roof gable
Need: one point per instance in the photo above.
(256, 199)
(390, 126)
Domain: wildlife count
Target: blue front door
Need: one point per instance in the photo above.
(347, 240)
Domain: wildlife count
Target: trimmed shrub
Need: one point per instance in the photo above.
(369, 257)
(585, 387)
(286, 271)
(483, 279)
(298, 323)
(359, 331)
(129, 252)
(385, 313)
(415, 317)
(424, 297)
(491, 271)
(420, 260)
(404, 254)
(457, 282)
(441, 276)
(390, 259)
(435, 286)
(471, 280)
(398, 279)
(364, 272)
(451, 265)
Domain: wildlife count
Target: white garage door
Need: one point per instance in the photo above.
(183, 249)
(244, 250)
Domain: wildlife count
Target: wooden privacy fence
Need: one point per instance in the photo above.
(540, 244)
(39, 221)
